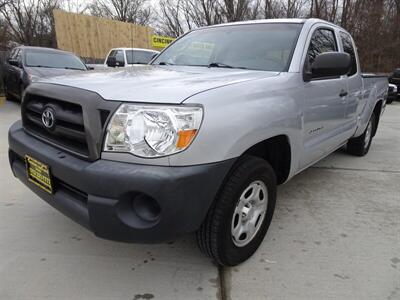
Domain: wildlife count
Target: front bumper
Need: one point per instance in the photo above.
(121, 201)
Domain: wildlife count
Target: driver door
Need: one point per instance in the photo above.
(14, 73)
(324, 103)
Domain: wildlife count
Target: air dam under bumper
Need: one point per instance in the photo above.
(121, 201)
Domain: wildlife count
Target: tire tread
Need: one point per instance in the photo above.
(207, 235)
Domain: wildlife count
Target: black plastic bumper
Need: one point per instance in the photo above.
(121, 201)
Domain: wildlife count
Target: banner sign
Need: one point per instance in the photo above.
(158, 41)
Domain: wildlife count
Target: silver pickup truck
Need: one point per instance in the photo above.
(199, 140)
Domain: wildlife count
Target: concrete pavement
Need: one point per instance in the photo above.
(335, 235)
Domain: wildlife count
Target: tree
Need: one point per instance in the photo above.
(171, 20)
(285, 8)
(178, 16)
(30, 22)
(237, 10)
(133, 11)
(4, 3)
(76, 6)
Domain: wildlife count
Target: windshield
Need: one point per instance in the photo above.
(266, 47)
(139, 57)
(53, 60)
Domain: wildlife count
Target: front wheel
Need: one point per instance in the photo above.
(239, 219)
(359, 146)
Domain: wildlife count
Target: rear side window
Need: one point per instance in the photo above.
(323, 40)
(138, 57)
(348, 48)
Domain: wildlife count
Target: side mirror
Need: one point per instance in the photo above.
(14, 62)
(329, 64)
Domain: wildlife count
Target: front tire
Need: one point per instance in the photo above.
(239, 219)
(359, 146)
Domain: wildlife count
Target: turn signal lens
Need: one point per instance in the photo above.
(185, 137)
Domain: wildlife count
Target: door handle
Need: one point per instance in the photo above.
(343, 93)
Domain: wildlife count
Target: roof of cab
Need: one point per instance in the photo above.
(276, 21)
(139, 49)
(44, 49)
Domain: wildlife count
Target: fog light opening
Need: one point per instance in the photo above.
(146, 208)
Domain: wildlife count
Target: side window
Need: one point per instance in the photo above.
(10, 55)
(120, 56)
(348, 48)
(13, 54)
(323, 40)
(112, 54)
(117, 56)
(18, 56)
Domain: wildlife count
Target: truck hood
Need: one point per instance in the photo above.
(156, 84)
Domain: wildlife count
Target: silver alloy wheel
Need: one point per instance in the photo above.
(249, 213)
(368, 134)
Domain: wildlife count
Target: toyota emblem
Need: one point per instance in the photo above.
(48, 119)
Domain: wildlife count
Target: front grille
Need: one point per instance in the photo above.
(68, 131)
(80, 118)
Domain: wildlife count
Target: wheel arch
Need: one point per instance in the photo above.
(277, 152)
(377, 112)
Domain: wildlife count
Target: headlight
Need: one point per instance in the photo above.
(152, 130)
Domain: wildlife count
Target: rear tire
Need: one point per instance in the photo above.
(359, 146)
(239, 219)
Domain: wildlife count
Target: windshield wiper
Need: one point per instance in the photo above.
(219, 65)
(69, 68)
(222, 65)
(40, 66)
(163, 63)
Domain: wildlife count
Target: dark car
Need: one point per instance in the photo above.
(27, 64)
(395, 79)
(392, 93)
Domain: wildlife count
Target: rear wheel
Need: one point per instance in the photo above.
(359, 146)
(239, 219)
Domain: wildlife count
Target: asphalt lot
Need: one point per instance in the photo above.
(335, 235)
